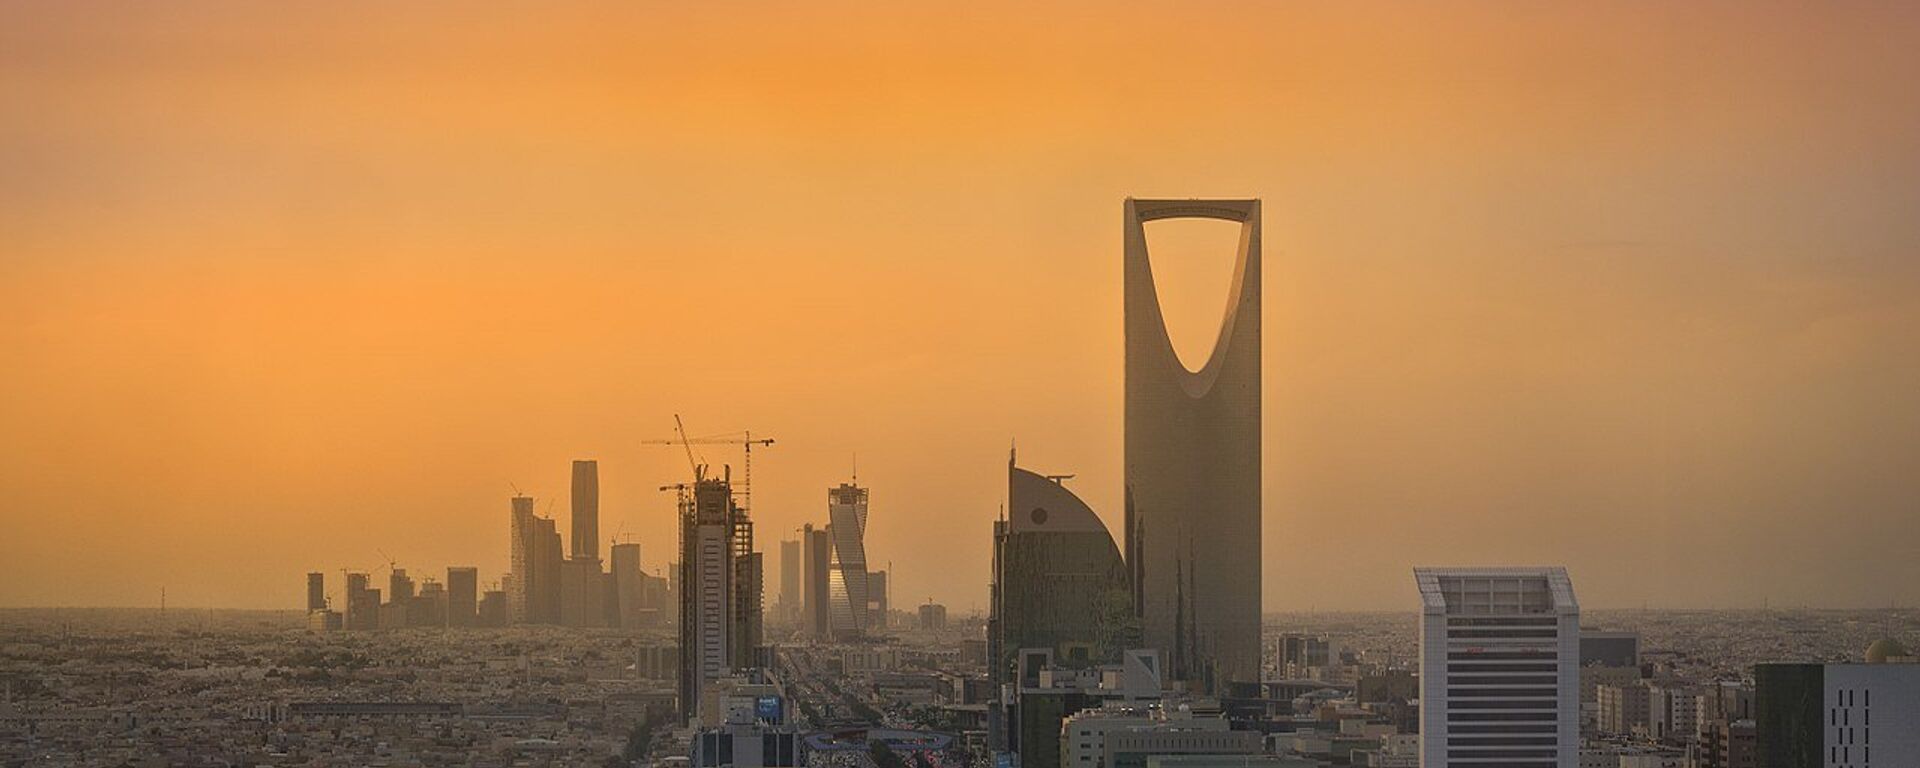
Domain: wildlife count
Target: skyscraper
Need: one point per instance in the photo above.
(847, 523)
(586, 509)
(519, 559)
(316, 591)
(629, 585)
(399, 586)
(582, 599)
(1058, 581)
(1499, 668)
(790, 579)
(720, 627)
(463, 596)
(363, 603)
(1193, 463)
(544, 597)
(816, 580)
(877, 607)
(533, 586)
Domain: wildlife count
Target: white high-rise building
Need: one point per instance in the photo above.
(1499, 668)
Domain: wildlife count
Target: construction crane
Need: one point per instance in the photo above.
(744, 439)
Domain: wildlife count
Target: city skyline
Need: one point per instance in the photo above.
(1645, 278)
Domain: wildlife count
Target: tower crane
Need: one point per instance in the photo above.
(744, 439)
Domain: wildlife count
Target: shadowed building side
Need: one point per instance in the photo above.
(1058, 580)
(1193, 463)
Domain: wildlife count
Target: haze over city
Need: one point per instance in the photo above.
(285, 287)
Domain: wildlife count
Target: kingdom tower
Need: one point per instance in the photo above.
(1193, 463)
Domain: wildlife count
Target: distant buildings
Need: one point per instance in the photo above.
(319, 617)
(316, 592)
(790, 567)
(463, 596)
(933, 616)
(1192, 463)
(1623, 708)
(1609, 649)
(1837, 715)
(363, 603)
(1303, 656)
(877, 607)
(493, 608)
(816, 580)
(1125, 738)
(399, 585)
(629, 587)
(533, 585)
(1498, 682)
(1058, 582)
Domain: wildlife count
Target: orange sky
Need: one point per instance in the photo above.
(285, 285)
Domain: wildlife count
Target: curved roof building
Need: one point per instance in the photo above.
(1058, 580)
(1193, 463)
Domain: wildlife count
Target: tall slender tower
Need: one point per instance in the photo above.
(520, 558)
(316, 591)
(586, 509)
(847, 522)
(790, 580)
(1193, 463)
(816, 581)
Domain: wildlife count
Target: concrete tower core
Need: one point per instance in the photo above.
(1193, 463)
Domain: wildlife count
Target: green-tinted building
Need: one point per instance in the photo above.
(1058, 580)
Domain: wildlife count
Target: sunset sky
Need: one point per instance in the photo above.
(285, 285)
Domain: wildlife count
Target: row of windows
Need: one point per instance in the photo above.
(1494, 693)
(1505, 728)
(1503, 764)
(1502, 656)
(1500, 667)
(1500, 717)
(1454, 753)
(1845, 755)
(1506, 621)
(1500, 741)
(1497, 633)
(1546, 680)
(1839, 716)
(1504, 704)
(1846, 735)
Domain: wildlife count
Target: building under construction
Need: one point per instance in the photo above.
(720, 587)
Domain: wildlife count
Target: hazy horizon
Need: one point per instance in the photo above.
(300, 288)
